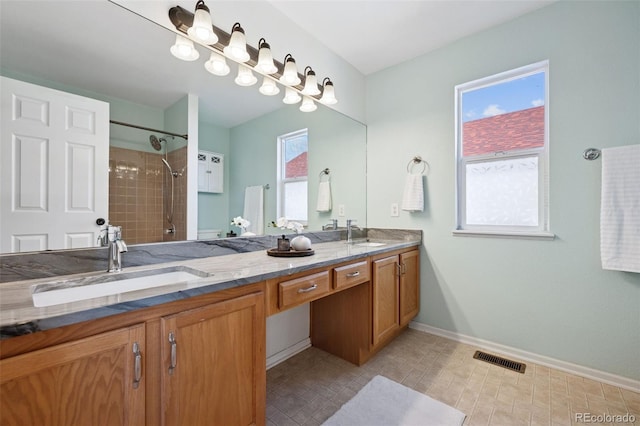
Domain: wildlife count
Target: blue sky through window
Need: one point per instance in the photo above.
(295, 146)
(514, 95)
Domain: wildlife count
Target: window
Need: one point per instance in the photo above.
(501, 153)
(293, 176)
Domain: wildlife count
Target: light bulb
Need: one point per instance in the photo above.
(269, 87)
(310, 83)
(328, 93)
(308, 105)
(184, 49)
(237, 48)
(265, 63)
(291, 96)
(217, 64)
(202, 28)
(245, 76)
(290, 73)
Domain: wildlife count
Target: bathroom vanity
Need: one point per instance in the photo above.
(194, 352)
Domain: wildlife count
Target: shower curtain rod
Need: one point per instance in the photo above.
(120, 123)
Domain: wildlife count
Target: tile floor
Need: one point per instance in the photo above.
(309, 387)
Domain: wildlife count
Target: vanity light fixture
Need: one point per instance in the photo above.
(328, 92)
(265, 63)
(310, 82)
(237, 48)
(290, 74)
(291, 96)
(192, 27)
(245, 76)
(269, 87)
(308, 105)
(184, 49)
(202, 28)
(217, 64)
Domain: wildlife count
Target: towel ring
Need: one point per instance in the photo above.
(417, 160)
(324, 172)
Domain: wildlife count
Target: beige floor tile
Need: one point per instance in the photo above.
(311, 386)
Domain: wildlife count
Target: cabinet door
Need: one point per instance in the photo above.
(385, 298)
(91, 381)
(409, 286)
(214, 364)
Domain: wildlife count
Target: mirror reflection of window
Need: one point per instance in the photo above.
(293, 176)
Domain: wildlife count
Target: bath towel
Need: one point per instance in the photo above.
(620, 209)
(254, 208)
(324, 197)
(413, 197)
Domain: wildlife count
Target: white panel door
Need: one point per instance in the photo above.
(54, 168)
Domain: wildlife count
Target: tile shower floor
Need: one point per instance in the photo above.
(309, 387)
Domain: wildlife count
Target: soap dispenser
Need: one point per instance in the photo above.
(283, 244)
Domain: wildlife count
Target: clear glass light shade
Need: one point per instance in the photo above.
(328, 94)
(311, 84)
(184, 49)
(269, 87)
(237, 48)
(245, 76)
(265, 61)
(290, 74)
(308, 105)
(217, 64)
(291, 96)
(202, 28)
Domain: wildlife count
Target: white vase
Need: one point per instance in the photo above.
(300, 243)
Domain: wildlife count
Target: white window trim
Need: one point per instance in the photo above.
(281, 181)
(542, 231)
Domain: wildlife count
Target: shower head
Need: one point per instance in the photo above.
(155, 142)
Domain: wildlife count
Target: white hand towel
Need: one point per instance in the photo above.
(413, 197)
(324, 197)
(620, 209)
(254, 208)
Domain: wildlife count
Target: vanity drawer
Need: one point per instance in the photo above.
(303, 289)
(350, 275)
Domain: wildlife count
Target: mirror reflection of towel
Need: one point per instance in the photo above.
(324, 197)
(413, 197)
(254, 208)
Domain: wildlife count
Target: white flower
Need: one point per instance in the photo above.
(296, 226)
(282, 222)
(240, 222)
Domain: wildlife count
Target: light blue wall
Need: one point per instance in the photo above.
(335, 141)
(213, 209)
(547, 297)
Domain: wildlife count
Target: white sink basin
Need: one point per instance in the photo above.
(370, 244)
(60, 292)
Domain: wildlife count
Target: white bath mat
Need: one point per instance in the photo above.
(383, 402)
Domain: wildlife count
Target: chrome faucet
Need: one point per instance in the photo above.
(333, 225)
(111, 236)
(350, 227)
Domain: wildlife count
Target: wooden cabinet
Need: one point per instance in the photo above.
(212, 371)
(409, 286)
(98, 380)
(214, 364)
(395, 293)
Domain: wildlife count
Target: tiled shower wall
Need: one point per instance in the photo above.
(136, 195)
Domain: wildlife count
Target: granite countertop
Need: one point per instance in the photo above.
(18, 315)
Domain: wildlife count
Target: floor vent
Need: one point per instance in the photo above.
(502, 362)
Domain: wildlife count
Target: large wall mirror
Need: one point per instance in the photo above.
(102, 51)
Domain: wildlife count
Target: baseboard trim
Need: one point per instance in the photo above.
(567, 367)
(287, 353)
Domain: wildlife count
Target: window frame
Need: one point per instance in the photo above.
(462, 228)
(282, 181)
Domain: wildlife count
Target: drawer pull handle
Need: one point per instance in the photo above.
(353, 274)
(174, 354)
(308, 289)
(137, 365)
